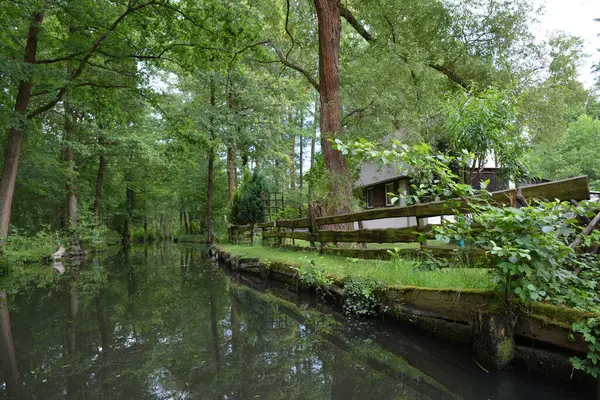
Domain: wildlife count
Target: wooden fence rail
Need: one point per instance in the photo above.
(564, 190)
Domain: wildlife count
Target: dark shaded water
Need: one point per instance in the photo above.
(164, 323)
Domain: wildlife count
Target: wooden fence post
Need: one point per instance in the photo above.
(312, 229)
(360, 226)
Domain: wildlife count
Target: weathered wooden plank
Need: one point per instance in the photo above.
(266, 225)
(565, 189)
(294, 223)
(289, 235)
(391, 235)
(242, 228)
(369, 254)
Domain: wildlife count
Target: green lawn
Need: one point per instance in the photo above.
(401, 272)
(432, 243)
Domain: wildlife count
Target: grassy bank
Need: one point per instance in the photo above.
(402, 272)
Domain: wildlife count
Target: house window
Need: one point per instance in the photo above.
(369, 197)
(389, 194)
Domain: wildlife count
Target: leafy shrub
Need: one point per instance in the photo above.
(360, 296)
(312, 274)
(19, 248)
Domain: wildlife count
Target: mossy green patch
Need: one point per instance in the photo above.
(397, 272)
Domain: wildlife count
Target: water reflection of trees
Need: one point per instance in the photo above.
(157, 323)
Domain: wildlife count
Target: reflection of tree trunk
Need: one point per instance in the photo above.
(8, 361)
(213, 322)
(131, 274)
(73, 311)
(73, 381)
(235, 328)
(12, 149)
(342, 386)
(102, 325)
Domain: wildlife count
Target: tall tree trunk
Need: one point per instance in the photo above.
(231, 170)
(313, 144)
(99, 184)
(185, 223)
(292, 139)
(301, 151)
(71, 203)
(211, 170)
(129, 205)
(8, 361)
(70, 189)
(209, 194)
(340, 182)
(8, 176)
(70, 185)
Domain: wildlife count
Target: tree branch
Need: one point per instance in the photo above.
(450, 75)
(361, 30)
(82, 63)
(357, 111)
(59, 59)
(103, 86)
(297, 68)
(348, 16)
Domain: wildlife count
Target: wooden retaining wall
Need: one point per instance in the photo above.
(450, 313)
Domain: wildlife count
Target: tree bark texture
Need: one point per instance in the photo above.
(8, 176)
(129, 205)
(72, 200)
(211, 171)
(340, 182)
(292, 139)
(210, 195)
(231, 171)
(99, 185)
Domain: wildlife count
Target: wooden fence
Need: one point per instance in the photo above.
(312, 232)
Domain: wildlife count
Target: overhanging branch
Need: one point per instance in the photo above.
(297, 68)
(450, 75)
(362, 31)
(358, 27)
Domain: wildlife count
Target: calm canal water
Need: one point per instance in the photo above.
(164, 322)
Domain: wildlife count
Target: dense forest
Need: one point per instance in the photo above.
(138, 120)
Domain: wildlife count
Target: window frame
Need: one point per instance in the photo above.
(369, 199)
(388, 198)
